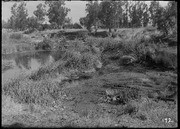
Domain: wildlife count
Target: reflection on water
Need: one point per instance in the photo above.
(25, 62)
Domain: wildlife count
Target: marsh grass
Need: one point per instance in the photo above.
(43, 92)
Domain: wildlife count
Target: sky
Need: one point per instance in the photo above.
(77, 9)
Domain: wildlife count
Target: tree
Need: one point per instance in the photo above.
(106, 14)
(118, 14)
(154, 6)
(19, 16)
(145, 18)
(140, 10)
(57, 12)
(13, 19)
(82, 21)
(32, 22)
(167, 18)
(125, 13)
(92, 10)
(133, 15)
(40, 12)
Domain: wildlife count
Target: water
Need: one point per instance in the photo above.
(25, 63)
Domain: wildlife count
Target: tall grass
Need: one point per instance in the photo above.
(16, 36)
(43, 92)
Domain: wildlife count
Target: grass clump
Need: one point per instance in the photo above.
(75, 60)
(42, 92)
(166, 59)
(16, 36)
(6, 65)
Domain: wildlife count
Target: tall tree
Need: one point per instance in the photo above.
(140, 10)
(125, 14)
(106, 14)
(40, 12)
(13, 19)
(145, 18)
(119, 14)
(117, 11)
(133, 14)
(57, 12)
(154, 6)
(22, 16)
(92, 10)
(19, 16)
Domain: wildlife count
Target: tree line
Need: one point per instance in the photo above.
(56, 12)
(104, 14)
(118, 14)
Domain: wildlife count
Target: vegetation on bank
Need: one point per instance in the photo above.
(76, 59)
(123, 78)
(81, 55)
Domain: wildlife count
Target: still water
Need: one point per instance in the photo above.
(25, 63)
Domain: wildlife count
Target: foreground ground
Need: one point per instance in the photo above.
(61, 100)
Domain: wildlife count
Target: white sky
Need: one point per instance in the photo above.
(77, 8)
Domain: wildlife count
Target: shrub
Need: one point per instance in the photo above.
(94, 41)
(17, 36)
(28, 31)
(166, 59)
(58, 54)
(87, 61)
(46, 44)
(130, 109)
(78, 45)
(80, 34)
(77, 26)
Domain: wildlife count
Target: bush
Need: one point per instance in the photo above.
(81, 34)
(166, 59)
(28, 31)
(46, 44)
(77, 26)
(101, 34)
